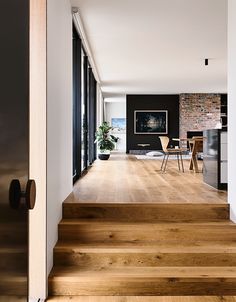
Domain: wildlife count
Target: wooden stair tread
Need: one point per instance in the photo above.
(120, 247)
(143, 205)
(145, 223)
(197, 273)
(144, 249)
(142, 299)
(146, 281)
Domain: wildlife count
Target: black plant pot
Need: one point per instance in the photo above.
(103, 156)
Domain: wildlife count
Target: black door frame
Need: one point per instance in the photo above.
(85, 116)
(92, 116)
(84, 109)
(76, 105)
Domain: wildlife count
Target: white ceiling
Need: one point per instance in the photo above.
(157, 46)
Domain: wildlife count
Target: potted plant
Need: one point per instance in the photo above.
(115, 140)
(104, 141)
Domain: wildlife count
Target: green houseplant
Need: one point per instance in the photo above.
(104, 142)
(115, 139)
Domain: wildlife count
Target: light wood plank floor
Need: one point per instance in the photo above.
(125, 179)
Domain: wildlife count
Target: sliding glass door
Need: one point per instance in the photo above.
(84, 113)
(92, 120)
(77, 116)
(84, 109)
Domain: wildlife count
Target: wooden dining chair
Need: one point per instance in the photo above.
(170, 151)
(196, 146)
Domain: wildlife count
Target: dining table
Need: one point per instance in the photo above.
(195, 146)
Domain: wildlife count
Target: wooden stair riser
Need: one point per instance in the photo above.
(148, 287)
(147, 212)
(117, 259)
(113, 232)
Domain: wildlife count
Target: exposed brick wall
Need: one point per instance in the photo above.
(198, 112)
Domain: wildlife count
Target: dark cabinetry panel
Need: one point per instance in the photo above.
(151, 102)
(215, 158)
(224, 111)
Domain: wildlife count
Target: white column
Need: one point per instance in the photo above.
(232, 106)
(59, 116)
(37, 217)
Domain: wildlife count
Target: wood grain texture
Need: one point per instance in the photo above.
(144, 281)
(146, 212)
(143, 299)
(125, 179)
(96, 257)
(129, 233)
(114, 255)
(105, 231)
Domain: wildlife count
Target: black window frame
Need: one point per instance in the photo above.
(84, 127)
(76, 105)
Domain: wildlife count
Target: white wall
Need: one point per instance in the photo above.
(116, 107)
(232, 106)
(59, 115)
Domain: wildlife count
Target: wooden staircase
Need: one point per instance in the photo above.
(144, 250)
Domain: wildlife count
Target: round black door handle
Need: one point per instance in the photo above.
(16, 194)
(30, 194)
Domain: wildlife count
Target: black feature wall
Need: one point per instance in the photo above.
(151, 102)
